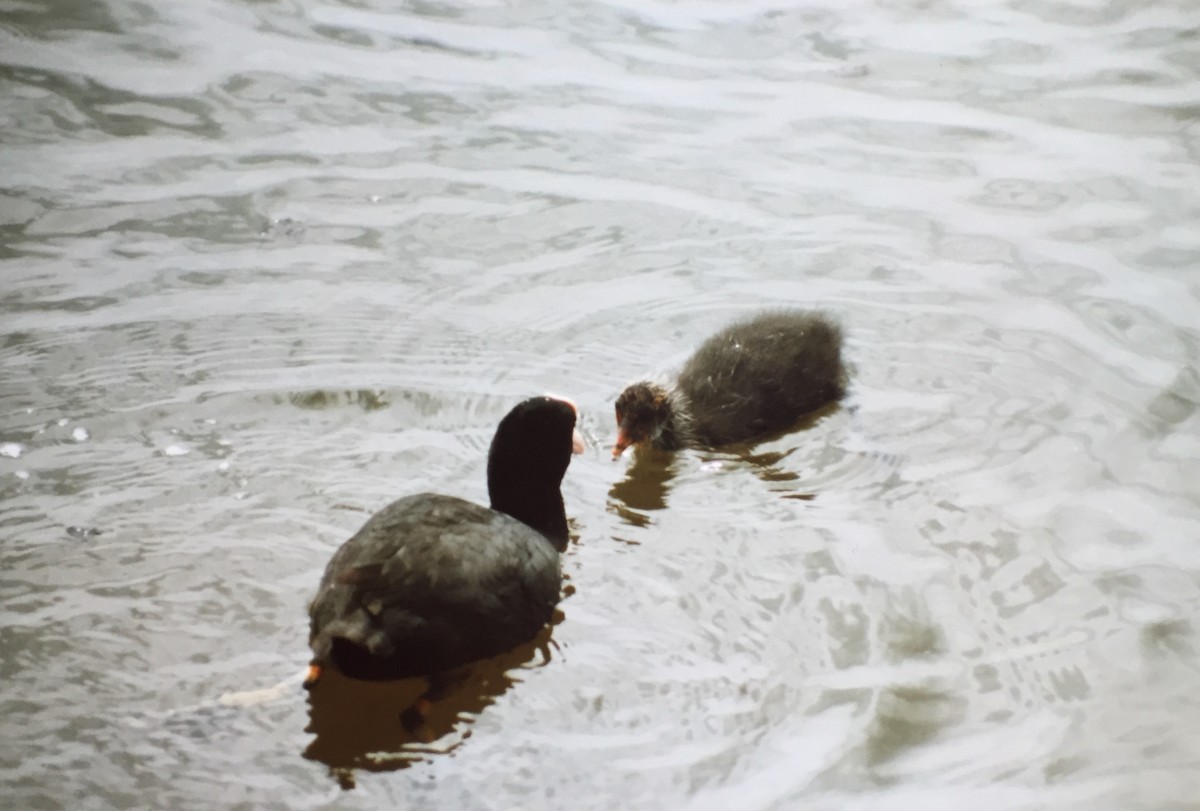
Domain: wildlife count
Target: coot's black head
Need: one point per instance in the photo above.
(527, 460)
(643, 410)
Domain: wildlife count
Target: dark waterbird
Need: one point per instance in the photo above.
(752, 379)
(433, 582)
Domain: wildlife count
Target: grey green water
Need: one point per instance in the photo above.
(265, 266)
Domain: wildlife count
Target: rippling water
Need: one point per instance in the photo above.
(266, 266)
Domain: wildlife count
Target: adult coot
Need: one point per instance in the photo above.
(432, 582)
(752, 379)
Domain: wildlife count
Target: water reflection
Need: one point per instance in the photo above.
(645, 486)
(317, 400)
(371, 725)
(907, 716)
(649, 476)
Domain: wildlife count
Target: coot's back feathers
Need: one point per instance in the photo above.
(754, 378)
(466, 582)
(432, 582)
(758, 376)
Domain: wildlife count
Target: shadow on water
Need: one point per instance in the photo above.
(358, 724)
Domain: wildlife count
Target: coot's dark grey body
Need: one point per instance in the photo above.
(754, 378)
(432, 582)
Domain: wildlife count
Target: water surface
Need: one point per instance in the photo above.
(266, 266)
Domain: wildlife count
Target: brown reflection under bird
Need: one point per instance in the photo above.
(383, 726)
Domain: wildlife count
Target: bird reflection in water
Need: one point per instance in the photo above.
(648, 478)
(644, 488)
(372, 726)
